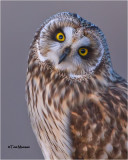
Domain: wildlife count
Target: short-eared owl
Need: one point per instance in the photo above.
(77, 103)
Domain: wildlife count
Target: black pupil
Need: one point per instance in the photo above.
(82, 50)
(60, 37)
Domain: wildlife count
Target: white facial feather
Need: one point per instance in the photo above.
(83, 42)
(40, 56)
(53, 57)
(74, 76)
(68, 31)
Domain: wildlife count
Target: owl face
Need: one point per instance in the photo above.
(71, 44)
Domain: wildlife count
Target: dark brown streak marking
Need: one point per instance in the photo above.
(38, 112)
(40, 127)
(66, 139)
(44, 115)
(54, 153)
(49, 100)
(54, 136)
(33, 96)
(47, 126)
(36, 100)
(47, 135)
(38, 131)
(56, 125)
(66, 146)
(28, 92)
(44, 95)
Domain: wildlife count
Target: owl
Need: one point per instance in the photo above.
(77, 103)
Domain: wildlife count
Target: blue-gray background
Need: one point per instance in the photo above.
(20, 20)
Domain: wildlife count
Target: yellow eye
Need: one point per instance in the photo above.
(83, 51)
(60, 37)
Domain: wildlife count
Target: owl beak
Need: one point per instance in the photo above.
(64, 55)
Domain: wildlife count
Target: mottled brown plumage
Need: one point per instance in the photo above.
(83, 116)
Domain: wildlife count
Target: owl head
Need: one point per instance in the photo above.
(72, 44)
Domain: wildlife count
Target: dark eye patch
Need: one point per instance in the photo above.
(90, 52)
(55, 32)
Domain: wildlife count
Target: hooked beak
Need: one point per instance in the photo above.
(64, 55)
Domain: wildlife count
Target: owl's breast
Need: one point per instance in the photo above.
(50, 118)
